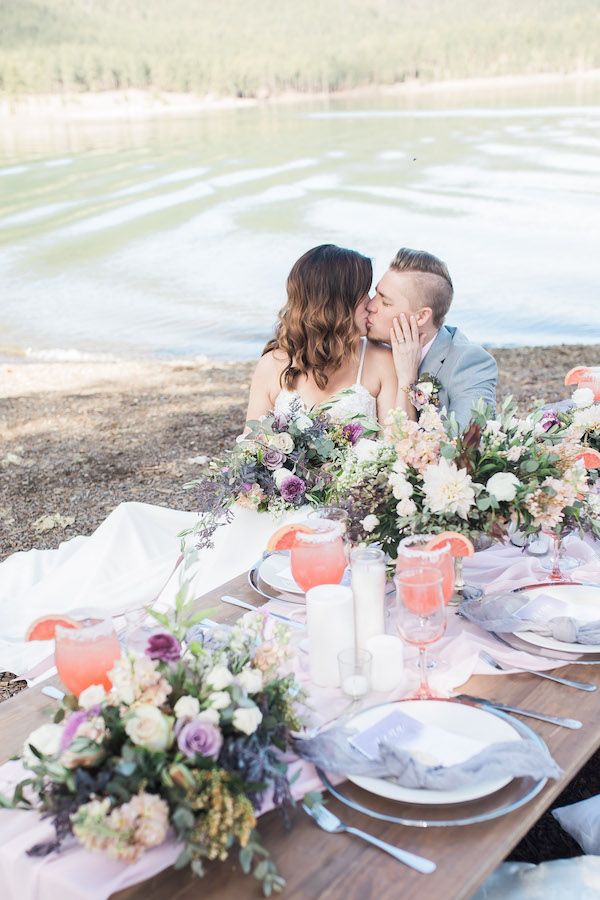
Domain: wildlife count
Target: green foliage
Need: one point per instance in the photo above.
(267, 47)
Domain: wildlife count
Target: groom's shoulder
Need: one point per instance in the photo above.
(465, 351)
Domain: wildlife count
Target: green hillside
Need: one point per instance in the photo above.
(262, 47)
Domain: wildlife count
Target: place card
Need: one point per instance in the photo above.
(542, 608)
(427, 743)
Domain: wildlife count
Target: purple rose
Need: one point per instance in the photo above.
(353, 432)
(549, 420)
(273, 459)
(198, 736)
(292, 489)
(163, 646)
(73, 723)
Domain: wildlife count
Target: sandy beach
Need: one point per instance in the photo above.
(133, 103)
(76, 439)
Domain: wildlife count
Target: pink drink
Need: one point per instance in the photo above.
(412, 552)
(85, 655)
(591, 380)
(318, 557)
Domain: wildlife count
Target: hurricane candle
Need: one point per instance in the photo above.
(387, 666)
(330, 625)
(368, 588)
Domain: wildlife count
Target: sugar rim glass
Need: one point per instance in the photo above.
(102, 628)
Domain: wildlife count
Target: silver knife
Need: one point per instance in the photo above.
(233, 601)
(520, 711)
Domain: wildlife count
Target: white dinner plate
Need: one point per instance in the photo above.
(467, 721)
(273, 571)
(584, 605)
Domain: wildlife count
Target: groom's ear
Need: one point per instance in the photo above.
(424, 316)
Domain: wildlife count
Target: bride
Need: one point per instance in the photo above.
(319, 356)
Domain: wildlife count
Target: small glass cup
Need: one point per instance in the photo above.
(86, 654)
(318, 556)
(355, 672)
(421, 615)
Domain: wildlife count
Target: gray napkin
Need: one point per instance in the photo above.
(497, 613)
(332, 751)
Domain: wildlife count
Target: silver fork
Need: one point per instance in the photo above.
(326, 820)
(579, 685)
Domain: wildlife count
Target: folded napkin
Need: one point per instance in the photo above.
(332, 751)
(498, 613)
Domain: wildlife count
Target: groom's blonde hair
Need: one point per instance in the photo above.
(435, 285)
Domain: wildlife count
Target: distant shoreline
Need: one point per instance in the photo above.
(144, 104)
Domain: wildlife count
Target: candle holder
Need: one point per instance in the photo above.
(367, 567)
(557, 562)
(355, 672)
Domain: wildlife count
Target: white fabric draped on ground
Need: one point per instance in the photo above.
(122, 565)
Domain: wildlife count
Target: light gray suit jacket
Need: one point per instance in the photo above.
(466, 371)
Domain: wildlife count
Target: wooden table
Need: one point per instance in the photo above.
(340, 866)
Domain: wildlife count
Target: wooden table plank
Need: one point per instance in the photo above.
(336, 866)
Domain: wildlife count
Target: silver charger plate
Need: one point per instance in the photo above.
(509, 798)
(266, 590)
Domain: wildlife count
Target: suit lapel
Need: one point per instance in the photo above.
(436, 355)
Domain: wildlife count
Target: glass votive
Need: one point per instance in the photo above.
(355, 671)
(387, 667)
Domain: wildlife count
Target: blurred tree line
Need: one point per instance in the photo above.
(258, 48)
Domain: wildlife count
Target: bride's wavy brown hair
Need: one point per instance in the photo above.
(316, 327)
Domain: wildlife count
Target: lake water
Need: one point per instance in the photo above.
(173, 237)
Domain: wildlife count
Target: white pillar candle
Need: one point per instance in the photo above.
(387, 666)
(330, 625)
(368, 589)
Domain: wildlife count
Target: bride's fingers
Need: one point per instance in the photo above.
(414, 329)
(405, 328)
(396, 333)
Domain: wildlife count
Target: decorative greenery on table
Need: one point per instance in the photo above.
(191, 738)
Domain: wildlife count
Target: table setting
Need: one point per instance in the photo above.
(351, 675)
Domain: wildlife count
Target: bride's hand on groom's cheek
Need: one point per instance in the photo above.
(406, 348)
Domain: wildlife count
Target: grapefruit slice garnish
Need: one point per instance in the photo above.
(576, 374)
(459, 544)
(590, 458)
(285, 537)
(43, 629)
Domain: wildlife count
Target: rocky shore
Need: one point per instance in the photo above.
(76, 439)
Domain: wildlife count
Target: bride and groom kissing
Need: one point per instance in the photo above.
(340, 345)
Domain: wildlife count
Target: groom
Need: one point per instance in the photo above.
(408, 310)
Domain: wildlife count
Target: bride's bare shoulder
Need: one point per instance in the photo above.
(269, 369)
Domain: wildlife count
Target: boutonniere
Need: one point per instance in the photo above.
(424, 391)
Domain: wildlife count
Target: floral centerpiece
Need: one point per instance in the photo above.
(427, 477)
(189, 741)
(278, 464)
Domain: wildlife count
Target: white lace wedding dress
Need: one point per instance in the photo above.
(130, 557)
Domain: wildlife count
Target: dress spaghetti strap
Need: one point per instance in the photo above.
(362, 359)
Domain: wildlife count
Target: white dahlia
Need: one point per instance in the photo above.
(448, 490)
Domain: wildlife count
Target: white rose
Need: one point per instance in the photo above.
(208, 715)
(399, 467)
(426, 387)
(303, 422)
(366, 450)
(219, 699)
(370, 523)
(251, 680)
(283, 442)
(46, 739)
(219, 678)
(91, 696)
(503, 486)
(186, 707)
(247, 719)
(401, 487)
(279, 476)
(149, 728)
(583, 397)
(406, 507)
